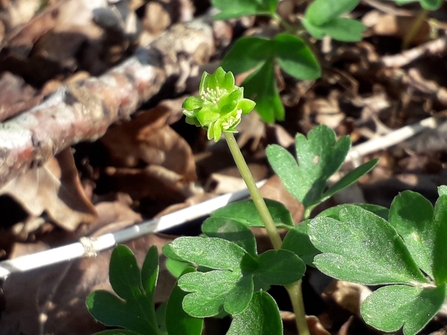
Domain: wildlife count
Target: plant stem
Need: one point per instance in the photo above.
(417, 23)
(294, 290)
(258, 200)
(296, 296)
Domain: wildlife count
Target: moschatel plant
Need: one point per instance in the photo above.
(221, 273)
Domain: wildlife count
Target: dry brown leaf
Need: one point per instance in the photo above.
(113, 215)
(148, 139)
(16, 96)
(314, 325)
(154, 182)
(51, 300)
(274, 189)
(394, 25)
(56, 189)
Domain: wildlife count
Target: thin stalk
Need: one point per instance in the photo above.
(417, 23)
(296, 297)
(258, 200)
(294, 290)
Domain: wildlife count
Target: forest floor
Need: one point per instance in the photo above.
(93, 139)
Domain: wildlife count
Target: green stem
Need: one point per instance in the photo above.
(417, 23)
(296, 296)
(294, 290)
(258, 200)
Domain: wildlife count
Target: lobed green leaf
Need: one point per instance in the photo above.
(261, 86)
(231, 230)
(177, 320)
(391, 307)
(320, 12)
(113, 312)
(248, 53)
(135, 310)
(261, 317)
(426, 4)
(295, 57)
(213, 253)
(124, 273)
(280, 267)
(236, 8)
(246, 213)
(215, 291)
(440, 251)
(412, 216)
(334, 212)
(297, 240)
(350, 178)
(362, 248)
(319, 156)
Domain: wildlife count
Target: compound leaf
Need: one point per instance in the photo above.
(216, 291)
(261, 317)
(135, 311)
(362, 248)
(391, 307)
(319, 157)
(228, 288)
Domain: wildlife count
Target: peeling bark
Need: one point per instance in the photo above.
(83, 111)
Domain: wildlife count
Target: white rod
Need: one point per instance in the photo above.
(391, 138)
(88, 247)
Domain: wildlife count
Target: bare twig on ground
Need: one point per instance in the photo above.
(83, 111)
(434, 47)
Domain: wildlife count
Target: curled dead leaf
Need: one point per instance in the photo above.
(148, 139)
(56, 189)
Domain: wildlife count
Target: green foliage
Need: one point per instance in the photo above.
(323, 18)
(406, 253)
(246, 213)
(261, 54)
(229, 268)
(297, 240)
(319, 157)
(133, 308)
(426, 4)
(177, 320)
(236, 8)
(261, 317)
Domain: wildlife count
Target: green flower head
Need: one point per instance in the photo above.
(220, 105)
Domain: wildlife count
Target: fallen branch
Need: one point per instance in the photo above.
(83, 111)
